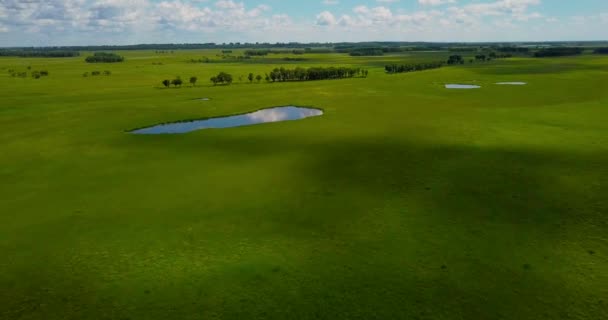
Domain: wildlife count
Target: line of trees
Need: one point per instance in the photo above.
(601, 51)
(104, 57)
(393, 68)
(320, 47)
(38, 53)
(558, 52)
(511, 49)
(280, 75)
(366, 52)
(315, 73)
(363, 49)
(178, 82)
(257, 52)
(97, 73)
(293, 59)
(35, 74)
(265, 52)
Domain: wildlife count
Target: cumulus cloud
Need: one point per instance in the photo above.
(50, 16)
(326, 18)
(91, 21)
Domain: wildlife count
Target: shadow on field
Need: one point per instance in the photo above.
(395, 229)
(518, 186)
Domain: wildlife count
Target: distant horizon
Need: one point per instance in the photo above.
(287, 43)
(49, 23)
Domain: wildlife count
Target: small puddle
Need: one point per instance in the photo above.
(511, 83)
(202, 99)
(461, 86)
(277, 114)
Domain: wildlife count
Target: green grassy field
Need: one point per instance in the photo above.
(404, 201)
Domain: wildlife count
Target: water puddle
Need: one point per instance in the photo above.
(511, 83)
(461, 86)
(277, 114)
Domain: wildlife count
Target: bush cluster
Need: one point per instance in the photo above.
(104, 57)
(23, 74)
(97, 73)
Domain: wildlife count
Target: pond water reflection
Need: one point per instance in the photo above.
(461, 86)
(261, 116)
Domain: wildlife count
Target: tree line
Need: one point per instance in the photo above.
(511, 49)
(316, 47)
(104, 57)
(298, 74)
(177, 82)
(280, 75)
(265, 52)
(315, 73)
(97, 73)
(403, 68)
(601, 51)
(38, 53)
(558, 52)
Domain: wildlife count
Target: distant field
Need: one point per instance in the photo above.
(405, 200)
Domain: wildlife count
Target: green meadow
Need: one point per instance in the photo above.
(405, 200)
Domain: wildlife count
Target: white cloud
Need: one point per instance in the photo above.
(435, 2)
(135, 21)
(326, 18)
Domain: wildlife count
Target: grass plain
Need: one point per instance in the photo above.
(404, 201)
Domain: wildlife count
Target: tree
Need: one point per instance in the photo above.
(214, 80)
(193, 80)
(224, 77)
(107, 73)
(455, 59)
(250, 77)
(258, 78)
(167, 83)
(177, 82)
(267, 78)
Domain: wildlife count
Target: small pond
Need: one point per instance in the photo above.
(511, 83)
(261, 116)
(461, 86)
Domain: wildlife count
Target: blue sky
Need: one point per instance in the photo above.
(82, 22)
